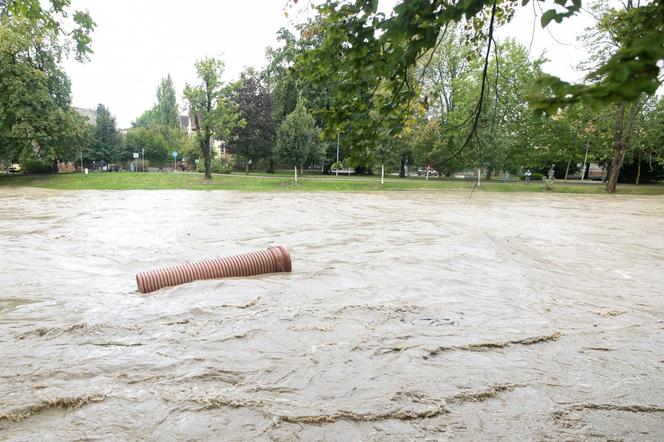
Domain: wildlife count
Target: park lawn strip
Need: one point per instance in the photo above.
(310, 183)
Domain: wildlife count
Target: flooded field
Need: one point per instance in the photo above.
(408, 315)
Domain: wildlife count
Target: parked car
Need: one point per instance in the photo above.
(422, 171)
(14, 168)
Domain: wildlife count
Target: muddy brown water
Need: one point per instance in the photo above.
(408, 315)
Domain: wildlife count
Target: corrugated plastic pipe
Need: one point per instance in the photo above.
(272, 260)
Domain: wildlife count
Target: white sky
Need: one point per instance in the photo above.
(138, 42)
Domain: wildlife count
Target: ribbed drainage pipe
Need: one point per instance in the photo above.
(272, 260)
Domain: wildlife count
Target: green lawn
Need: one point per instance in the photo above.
(254, 182)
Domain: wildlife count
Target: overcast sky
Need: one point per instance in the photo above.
(138, 42)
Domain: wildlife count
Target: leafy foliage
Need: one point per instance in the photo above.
(214, 113)
(150, 141)
(369, 59)
(51, 16)
(632, 70)
(165, 113)
(35, 114)
(106, 143)
(36, 167)
(254, 140)
(298, 138)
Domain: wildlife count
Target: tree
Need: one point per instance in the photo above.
(36, 119)
(168, 114)
(298, 138)
(106, 143)
(214, 114)
(53, 17)
(164, 113)
(156, 147)
(254, 140)
(160, 124)
(147, 119)
(364, 52)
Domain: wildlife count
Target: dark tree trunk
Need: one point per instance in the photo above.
(208, 166)
(207, 158)
(618, 149)
(246, 170)
(270, 167)
(402, 168)
(204, 141)
(638, 168)
(489, 170)
(621, 142)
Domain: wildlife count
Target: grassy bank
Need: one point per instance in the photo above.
(158, 181)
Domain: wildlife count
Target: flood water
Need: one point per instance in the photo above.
(408, 315)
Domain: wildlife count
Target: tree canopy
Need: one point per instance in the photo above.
(298, 138)
(214, 113)
(255, 139)
(370, 58)
(36, 117)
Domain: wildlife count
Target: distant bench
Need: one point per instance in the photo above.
(346, 171)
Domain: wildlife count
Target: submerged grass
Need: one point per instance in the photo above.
(310, 183)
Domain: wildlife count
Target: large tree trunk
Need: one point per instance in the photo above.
(270, 167)
(621, 142)
(246, 170)
(402, 168)
(618, 149)
(489, 171)
(638, 168)
(207, 159)
(208, 167)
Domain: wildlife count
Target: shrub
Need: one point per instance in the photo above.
(36, 167)
(217, 166)
(536, 176)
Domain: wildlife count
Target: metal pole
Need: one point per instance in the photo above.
(337, 168)
(583, 171)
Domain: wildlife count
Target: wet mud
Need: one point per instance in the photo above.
(408, 315)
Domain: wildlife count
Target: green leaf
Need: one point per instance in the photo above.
(549, 15)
